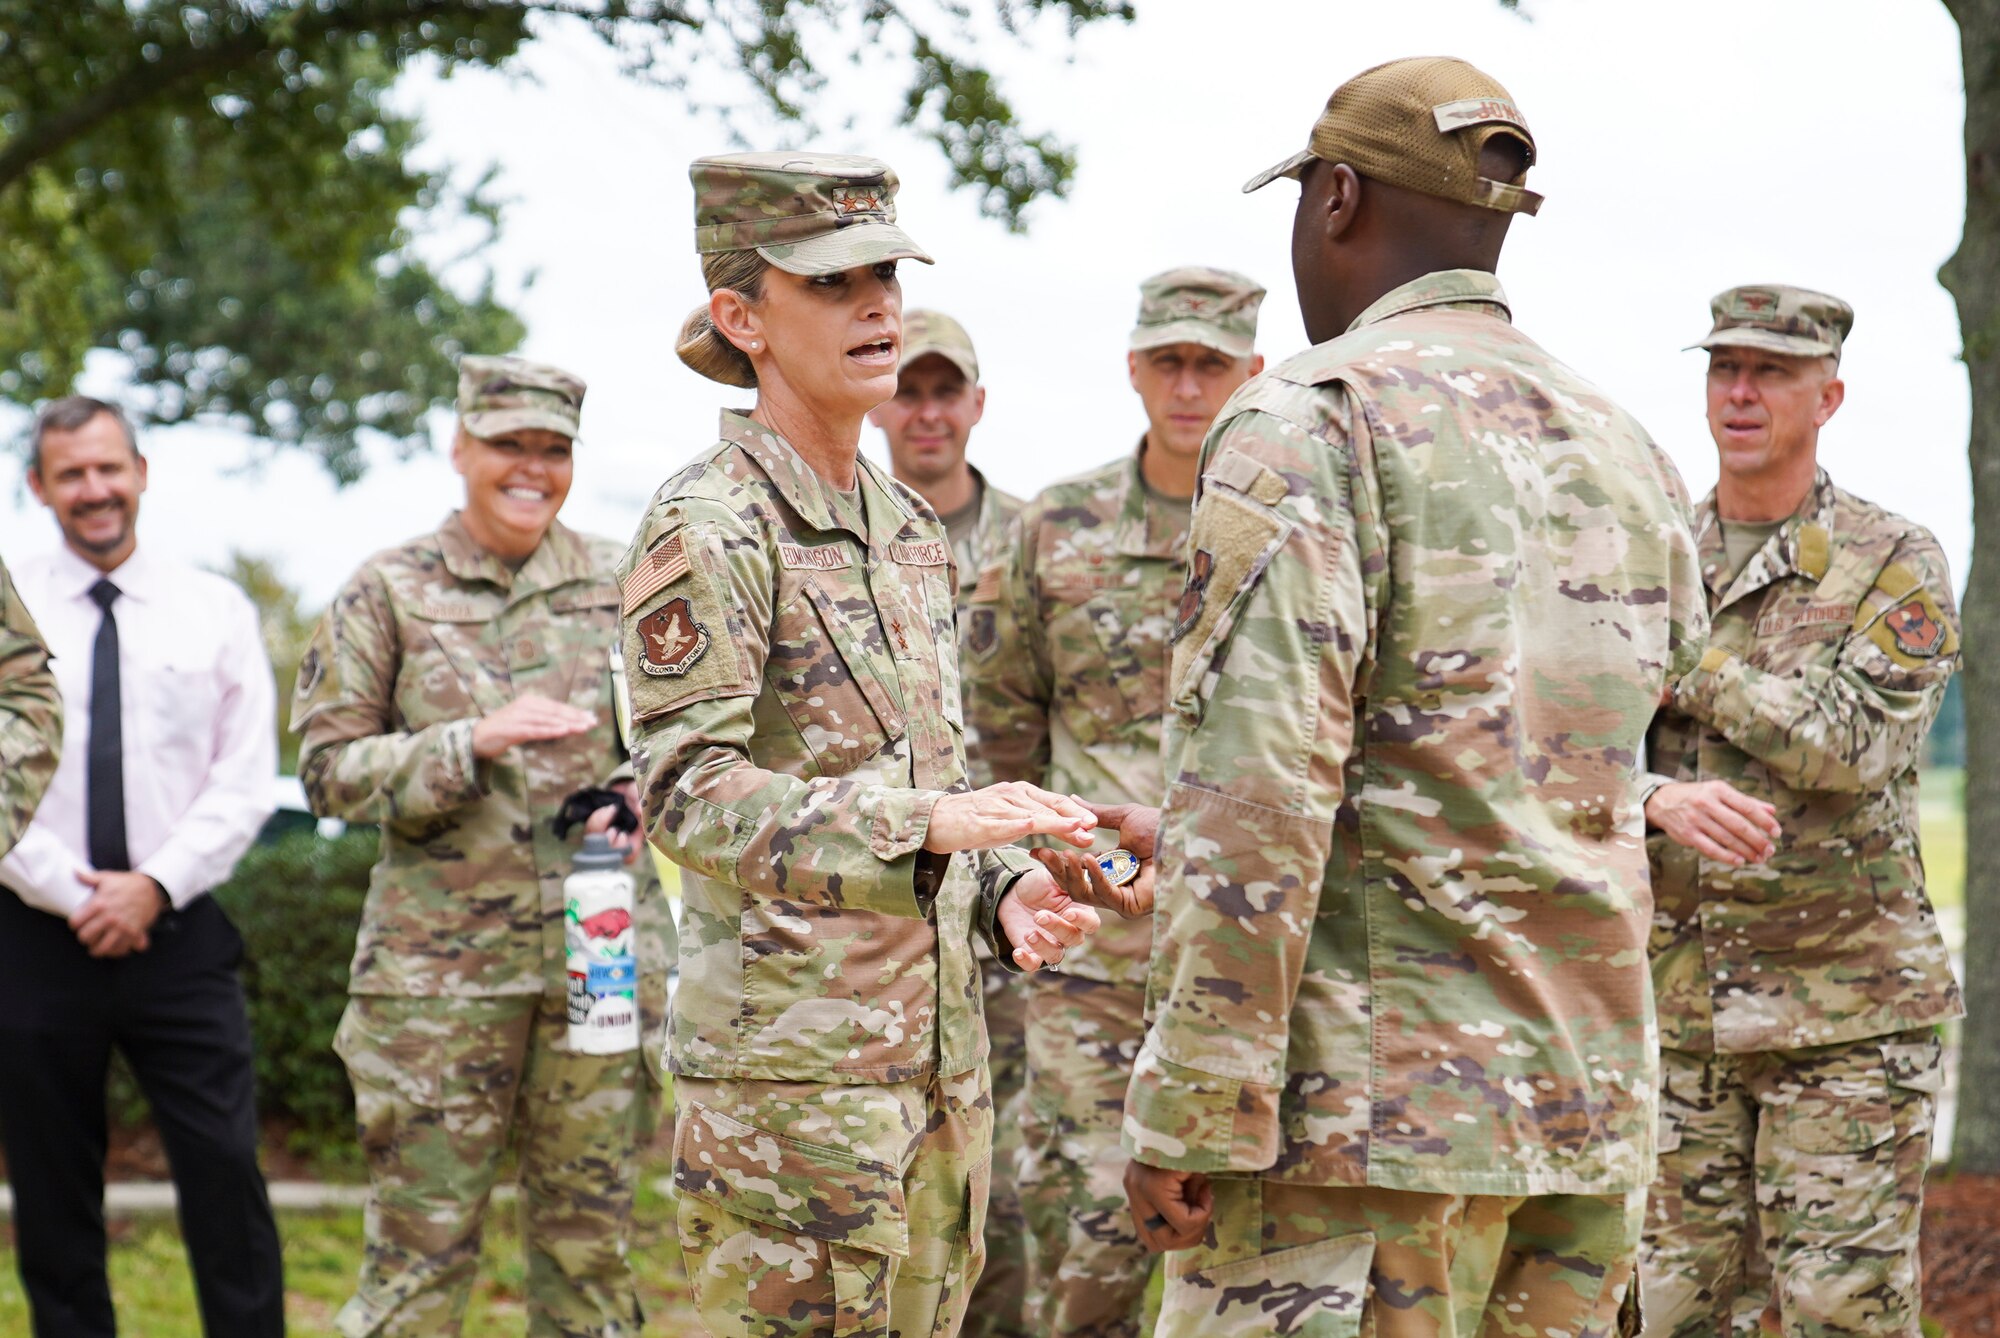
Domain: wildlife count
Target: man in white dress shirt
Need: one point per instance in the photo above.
(107, 935)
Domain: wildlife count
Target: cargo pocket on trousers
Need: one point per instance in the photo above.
(391, 1069)
(1311, 1291)
(852, 1205)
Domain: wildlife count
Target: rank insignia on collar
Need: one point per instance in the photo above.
(672, 639)
(1916, 632)
(1119, 866)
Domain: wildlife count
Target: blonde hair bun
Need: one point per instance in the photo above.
(704, 348)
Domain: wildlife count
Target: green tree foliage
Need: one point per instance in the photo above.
(218, 189)
(287, 627)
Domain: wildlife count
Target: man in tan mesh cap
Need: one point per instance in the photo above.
(1066, 670)
(1400, 1073)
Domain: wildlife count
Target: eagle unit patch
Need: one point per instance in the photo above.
(672, 638)
(1916, 631)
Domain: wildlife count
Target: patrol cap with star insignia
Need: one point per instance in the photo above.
(806, 213)
(1216, 308)
(502, 394)
(1779, 318)
(1418, 123)
(932, 332)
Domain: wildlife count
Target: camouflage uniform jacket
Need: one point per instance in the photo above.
(988, 536)
(1066, 660)
(1436, 584)
(793, 665)
(423, 641)
(1826, 664)
(30, 716)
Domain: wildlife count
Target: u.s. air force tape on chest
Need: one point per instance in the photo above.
(930, 553)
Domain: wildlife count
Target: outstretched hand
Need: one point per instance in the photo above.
(1000, 815)
(1079, 876)
(1041, 922)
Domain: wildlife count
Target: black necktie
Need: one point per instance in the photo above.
(105, 772)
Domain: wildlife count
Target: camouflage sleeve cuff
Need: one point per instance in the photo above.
(999, 870)
(898, 820)
(1713, 694)
(463, 778)
(1649, 785)
(1183, 1119)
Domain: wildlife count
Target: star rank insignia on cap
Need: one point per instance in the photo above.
(857, 199)
(672, 639)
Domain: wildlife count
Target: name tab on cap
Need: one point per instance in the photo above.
(929, 554)
(1477, 111)
(824, 557)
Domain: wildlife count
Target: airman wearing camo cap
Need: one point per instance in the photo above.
(502, 394)
(806, 213)
(1215, 308)
(928, 332)
(1797, 962)
(1779, 319)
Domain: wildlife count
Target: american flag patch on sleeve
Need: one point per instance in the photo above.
(655, 572)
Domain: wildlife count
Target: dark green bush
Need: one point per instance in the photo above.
(297, 901)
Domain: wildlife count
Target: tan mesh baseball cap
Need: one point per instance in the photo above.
(1779, 318)
(928, 332)
(1420, 124)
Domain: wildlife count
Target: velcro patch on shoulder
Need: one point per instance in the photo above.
(986, 590)
(1254, 479)
(928, 553)
(814, 557)
(660, 568)
(1229, 545)
(681, 643)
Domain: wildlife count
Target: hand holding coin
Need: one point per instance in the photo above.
(1118, 880)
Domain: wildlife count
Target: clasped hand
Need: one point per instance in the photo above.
(1039, 920)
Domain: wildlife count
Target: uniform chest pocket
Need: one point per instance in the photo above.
(1111, 646)
(828, 668)
(585, 628)
(453, 667)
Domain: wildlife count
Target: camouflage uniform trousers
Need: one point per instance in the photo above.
(823, 1210)
(441, 1085)
(999, 1298)
(1087, 1272)
(1793, 1175)
(1312, 1261)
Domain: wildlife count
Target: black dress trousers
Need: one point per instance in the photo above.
(176, 1012)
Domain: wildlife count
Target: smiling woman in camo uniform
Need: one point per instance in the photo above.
(457, 691)
(791, 649)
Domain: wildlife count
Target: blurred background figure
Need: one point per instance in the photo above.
(108, 937)
(458, 690)
(30, 716)
(928, 426)
(1066, 672)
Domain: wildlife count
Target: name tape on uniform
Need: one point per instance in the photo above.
(655, 572)
(823, 557)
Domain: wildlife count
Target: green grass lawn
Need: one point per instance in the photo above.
(155, 1296)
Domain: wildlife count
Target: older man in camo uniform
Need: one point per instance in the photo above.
(30, 716)
(1066, 668)
(1797, 963)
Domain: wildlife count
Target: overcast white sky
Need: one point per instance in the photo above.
(1686, 147)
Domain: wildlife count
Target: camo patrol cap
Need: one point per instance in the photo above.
(806, 213)
(500, 394)
(928, 332)
(1418, 123)
(1216, 308)
(1779, 319)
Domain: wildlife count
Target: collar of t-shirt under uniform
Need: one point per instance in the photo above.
(1135, 536)
(1803, 546)
(1442, 288)
(560, 559)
